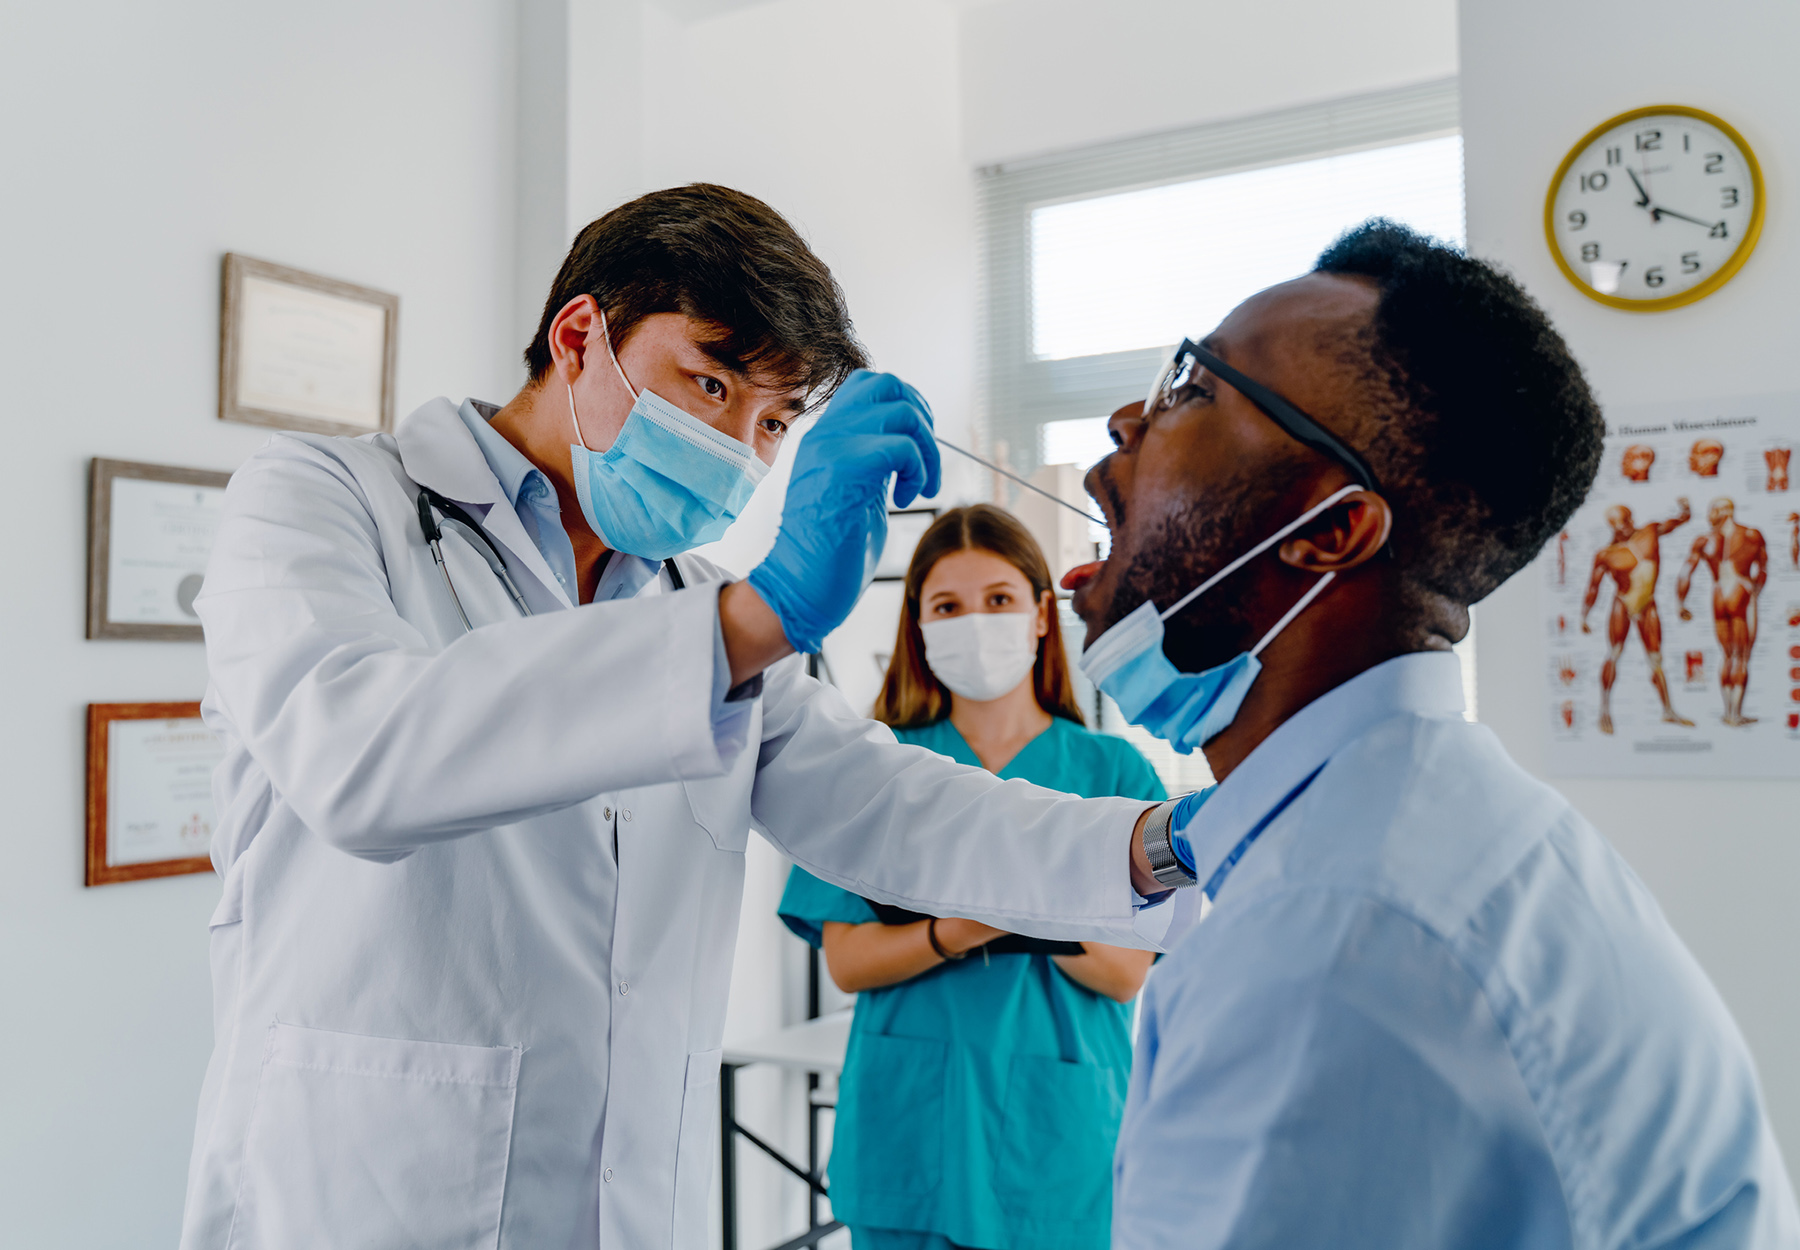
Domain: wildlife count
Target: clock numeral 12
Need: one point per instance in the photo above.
(1649, 140)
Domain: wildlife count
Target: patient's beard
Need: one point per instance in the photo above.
(1190, 546)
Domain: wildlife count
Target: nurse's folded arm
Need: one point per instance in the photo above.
(869, 956)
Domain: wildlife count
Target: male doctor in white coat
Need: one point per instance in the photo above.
(494, 748)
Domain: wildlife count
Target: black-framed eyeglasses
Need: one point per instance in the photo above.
(1190, 357)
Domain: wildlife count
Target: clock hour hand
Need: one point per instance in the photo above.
(1643, 195)
(1657, 214)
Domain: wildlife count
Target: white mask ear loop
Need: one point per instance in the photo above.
(1257, 550)
(606, 334)
(1311, 594)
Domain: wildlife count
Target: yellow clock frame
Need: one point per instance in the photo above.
(1725, 273)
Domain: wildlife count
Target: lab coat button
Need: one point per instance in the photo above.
(624, 987)
(608, 1175)
(626, 813)
(606, 813)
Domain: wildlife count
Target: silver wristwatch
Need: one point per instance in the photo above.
(1160, 850)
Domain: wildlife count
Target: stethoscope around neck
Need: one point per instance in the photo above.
(455, 514)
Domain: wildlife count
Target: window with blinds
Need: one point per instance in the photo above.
(1097, 262)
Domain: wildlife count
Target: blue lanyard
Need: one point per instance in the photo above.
(1211, 889)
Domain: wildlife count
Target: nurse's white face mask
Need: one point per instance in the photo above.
(982, 655)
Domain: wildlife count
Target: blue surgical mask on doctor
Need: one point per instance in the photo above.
(669, 482)
(1187, 709)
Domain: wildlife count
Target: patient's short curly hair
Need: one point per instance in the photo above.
(1489, 436)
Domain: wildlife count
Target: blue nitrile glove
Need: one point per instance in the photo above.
(1179, 820)
(834, 522)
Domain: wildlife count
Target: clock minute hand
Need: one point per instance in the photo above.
(1658, 214)
(1643, 195)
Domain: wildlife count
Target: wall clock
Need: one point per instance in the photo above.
(1655, 208)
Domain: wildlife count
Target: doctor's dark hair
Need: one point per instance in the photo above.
(911, 695)
(719, 256)
(1489, 437)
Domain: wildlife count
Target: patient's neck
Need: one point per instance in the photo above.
(998, 729)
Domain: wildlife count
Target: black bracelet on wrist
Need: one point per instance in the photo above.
(931, 936)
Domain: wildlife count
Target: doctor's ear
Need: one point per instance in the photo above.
(572, 331)
(1349, 534)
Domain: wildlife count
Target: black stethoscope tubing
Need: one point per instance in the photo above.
(484, 546)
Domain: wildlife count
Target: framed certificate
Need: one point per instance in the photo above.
(149, 791)
(301, 352)
(150, 530)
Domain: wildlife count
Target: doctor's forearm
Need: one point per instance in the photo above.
(752, 632)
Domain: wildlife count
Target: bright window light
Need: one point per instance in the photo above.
(1145, 268)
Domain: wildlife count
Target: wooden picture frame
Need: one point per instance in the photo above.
(161, 555)
(300, 351)
(169, 760)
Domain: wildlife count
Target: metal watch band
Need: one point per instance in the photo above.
(1160, 851)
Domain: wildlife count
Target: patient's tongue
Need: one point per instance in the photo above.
(1081, 574)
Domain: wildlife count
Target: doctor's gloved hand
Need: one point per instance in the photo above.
(834, 522)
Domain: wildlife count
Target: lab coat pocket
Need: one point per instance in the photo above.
(1056, 1147)
(375, 1142)
(694, 1147)
(721, 805)
(889, 1134)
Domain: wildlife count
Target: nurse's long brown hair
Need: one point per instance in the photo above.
(910, 695)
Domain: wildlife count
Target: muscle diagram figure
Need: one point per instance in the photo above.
(1739, 560)
(1635, 462)
(1777, 460)
(1704, 457)
(1793, 520)
(1634, 561)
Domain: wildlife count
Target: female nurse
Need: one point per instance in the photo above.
(986, 1075)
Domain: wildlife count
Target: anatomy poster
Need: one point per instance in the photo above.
(1672, 600)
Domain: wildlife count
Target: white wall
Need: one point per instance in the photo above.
(1721, 856)
(366, 139)
(1043, 75)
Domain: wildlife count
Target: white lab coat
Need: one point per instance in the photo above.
(481, 890)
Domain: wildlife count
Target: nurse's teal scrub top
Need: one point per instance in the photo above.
(981, 1099)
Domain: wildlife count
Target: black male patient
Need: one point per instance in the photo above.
(1427, 1004)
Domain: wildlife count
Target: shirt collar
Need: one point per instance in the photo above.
(1422, 683)
(510, 466)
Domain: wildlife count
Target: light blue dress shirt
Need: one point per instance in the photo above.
(1432, 1007)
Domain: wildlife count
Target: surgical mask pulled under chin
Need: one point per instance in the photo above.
(1187, 709)
(667, 484)
(982, 655)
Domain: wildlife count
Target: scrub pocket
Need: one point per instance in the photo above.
(888, 1138)
(694, 1146)
(1056, 1146)
(375, 1142)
